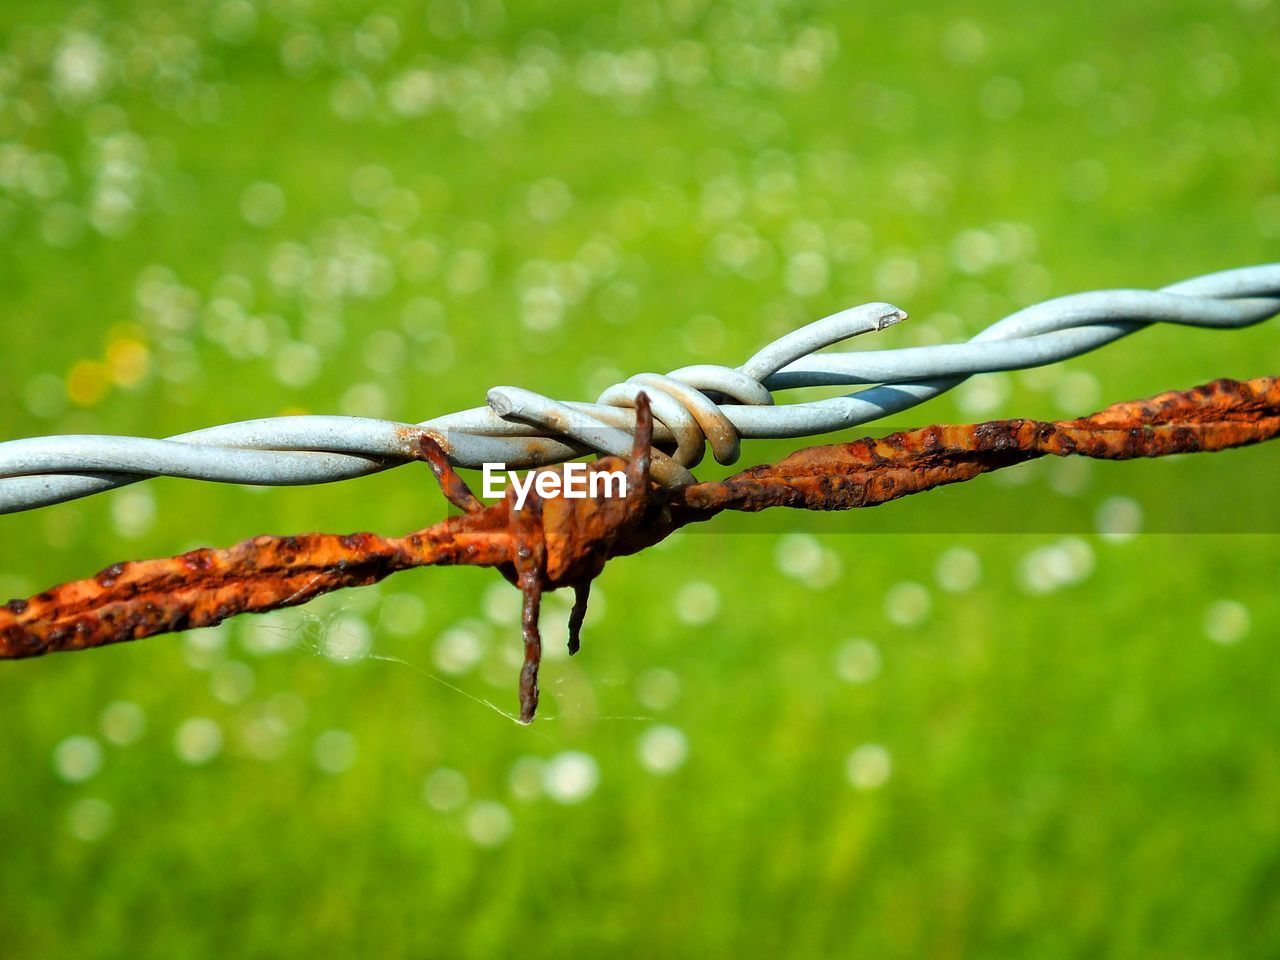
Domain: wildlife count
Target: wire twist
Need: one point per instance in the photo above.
(694, 407)
(682, 400)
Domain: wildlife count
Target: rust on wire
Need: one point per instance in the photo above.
(556, 542)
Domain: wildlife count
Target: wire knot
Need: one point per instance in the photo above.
(687, 402)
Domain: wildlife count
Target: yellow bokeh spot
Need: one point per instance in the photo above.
(128, 360)
(87, 382)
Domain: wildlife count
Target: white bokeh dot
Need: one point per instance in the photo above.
(488, 823)
(203, 648)
(501, 604)
(198, 740)
(1226, 621)
(798, 555)
(122, 723)
(571, 777)
(267, 634)
(697, 602)
(858, 661)
(458, 649)
(1118, 519)
(907, 603)
(526, 778)
(334, 751)
(403, 614)
(1053, 566)
(133, 512)
(958, 570)
(77, 758)
(364, 400)
(297, 364)
(984, 394)
(445, 790)
(90, 819)
(1078, 392)
(662, 749)
(548, 200)
(658, 688)
(347, 640)
(262, 204)
(869, 766)
(231, 681)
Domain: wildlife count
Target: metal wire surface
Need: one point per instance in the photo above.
(554, 542)
(694, 407)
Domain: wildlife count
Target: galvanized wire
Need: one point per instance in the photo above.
(693, 406)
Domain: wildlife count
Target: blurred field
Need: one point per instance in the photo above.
(793, 742)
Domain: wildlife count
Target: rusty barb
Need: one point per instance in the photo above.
(559, 542)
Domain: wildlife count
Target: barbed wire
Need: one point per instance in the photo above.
(694, 407)
(551, 543)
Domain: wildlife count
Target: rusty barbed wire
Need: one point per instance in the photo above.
(558, 542)
(693, 406)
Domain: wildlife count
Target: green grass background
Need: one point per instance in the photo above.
(213, 211)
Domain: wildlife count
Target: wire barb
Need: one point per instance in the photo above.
(558, 542)
(694, 407)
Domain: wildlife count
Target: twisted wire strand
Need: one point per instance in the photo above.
(694, 407)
